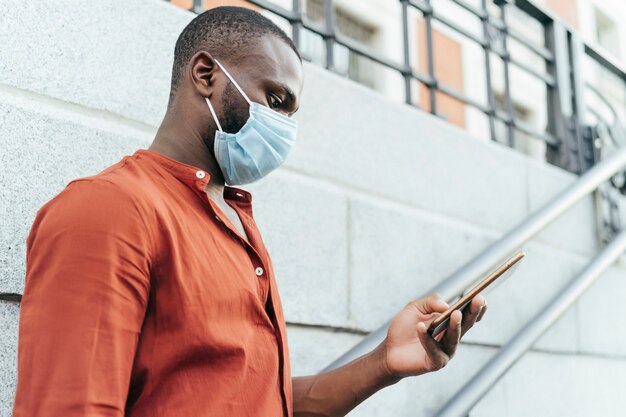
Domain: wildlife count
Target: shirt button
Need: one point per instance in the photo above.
(258, 271)
(200, 174)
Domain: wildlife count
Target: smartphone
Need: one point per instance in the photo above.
(506, 269)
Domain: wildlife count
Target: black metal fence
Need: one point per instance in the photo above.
(570, 143)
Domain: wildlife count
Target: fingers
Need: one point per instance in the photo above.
(451, 339)
(443, 347)
(473, 313)
(482, 311)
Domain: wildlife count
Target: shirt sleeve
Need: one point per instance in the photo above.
(86, 292)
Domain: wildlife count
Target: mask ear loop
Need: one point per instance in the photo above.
(217, 122)
(234, 82)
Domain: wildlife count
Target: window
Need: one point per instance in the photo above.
(610, 87)
(346, 62)
(523, 142)
(607, 34)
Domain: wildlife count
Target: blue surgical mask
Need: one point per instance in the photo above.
(260, 146)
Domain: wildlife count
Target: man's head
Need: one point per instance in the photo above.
(257, 53)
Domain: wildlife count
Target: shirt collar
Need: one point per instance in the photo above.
(193, 176)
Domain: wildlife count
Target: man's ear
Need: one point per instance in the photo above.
(202, 68)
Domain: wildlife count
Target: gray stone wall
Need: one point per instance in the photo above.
(377, 203)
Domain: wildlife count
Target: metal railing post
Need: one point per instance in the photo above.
(585, 149)
(432, 85)
(197, 6)
(491, 102)
(329, 37)
(296, 27)
(407, 56)
(506, 58)
(559, 105)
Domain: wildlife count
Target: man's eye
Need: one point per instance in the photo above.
(274, 102)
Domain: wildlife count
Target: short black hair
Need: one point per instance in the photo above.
(225, 32)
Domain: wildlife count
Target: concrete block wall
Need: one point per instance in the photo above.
(377, 203)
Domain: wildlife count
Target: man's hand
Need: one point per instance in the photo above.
(407, 350)
(410, 350)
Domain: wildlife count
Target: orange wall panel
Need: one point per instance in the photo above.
(209, 4)
(185, 4)
(448, 60)
(566, 9)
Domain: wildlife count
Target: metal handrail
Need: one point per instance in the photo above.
(454, 285)
(466, 398)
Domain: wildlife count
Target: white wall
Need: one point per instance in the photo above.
(377, 203)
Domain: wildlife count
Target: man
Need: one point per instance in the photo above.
(149, 291)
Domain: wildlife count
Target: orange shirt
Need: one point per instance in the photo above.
(142, 299)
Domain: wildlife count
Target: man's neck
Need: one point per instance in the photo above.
(182, 143)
